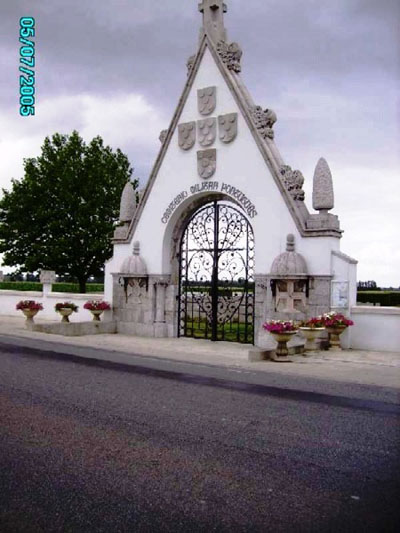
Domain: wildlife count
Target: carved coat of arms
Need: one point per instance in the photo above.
(228, 127)
(207, 131)
(207, 162)
(187, 135)
(207, 100)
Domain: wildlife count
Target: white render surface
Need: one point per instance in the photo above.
(9, 299)
(375, 328)
(179, 173)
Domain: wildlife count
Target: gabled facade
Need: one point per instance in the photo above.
(222, 227)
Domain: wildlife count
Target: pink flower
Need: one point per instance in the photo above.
(279, 326)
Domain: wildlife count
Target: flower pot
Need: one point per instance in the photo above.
(65, 312)
(311, 335)
(96, 314)
(30, 313)
(334, 334)
(282, 349)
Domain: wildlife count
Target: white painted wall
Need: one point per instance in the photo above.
(375, 329)
(121, 251)
(240, 164)
(9, 299)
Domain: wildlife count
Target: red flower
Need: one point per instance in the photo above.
(29, 304)
(336, 319)
(97, 305)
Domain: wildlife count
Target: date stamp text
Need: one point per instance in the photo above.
(27, 65)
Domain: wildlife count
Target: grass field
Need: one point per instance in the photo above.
(230, 331)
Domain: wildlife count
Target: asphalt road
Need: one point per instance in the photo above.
(97, 447)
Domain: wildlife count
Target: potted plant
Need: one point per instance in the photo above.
(282, 331)
(335, 324)
(311, 329)
(65, 309)
(30, 308)
(97, 307)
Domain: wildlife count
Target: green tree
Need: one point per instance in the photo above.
(61, 215)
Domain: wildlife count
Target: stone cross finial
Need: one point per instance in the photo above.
(213, 19)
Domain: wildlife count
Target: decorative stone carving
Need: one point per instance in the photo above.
(207, 131)
(163, 136)
(293, 181)
(289, 280)
(134, 276)
(135, 290)
(322, 198)
(207, 100)
(187, 135)
(290, 263)
(231, 55)
(207, 162)
(190, 64)
(128, 203)
(228, 127)
(264, 119)
(134, 264)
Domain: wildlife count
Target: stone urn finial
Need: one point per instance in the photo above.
(290, 243)
(323, 199)
(134, 264)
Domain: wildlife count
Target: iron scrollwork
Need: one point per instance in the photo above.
(216, 299)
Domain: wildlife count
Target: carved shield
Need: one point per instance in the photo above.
(228, 127)
(187, 135)
(207, 130)
(207, 100)
(207, 162)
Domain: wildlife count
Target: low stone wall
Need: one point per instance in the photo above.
(9, 299)
(75, 329)
(375, 329)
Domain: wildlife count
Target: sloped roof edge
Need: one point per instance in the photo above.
(244, 101)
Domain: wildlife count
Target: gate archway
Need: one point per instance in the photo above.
(216, 280)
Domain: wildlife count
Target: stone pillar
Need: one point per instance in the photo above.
(47, 278)
(160, 301)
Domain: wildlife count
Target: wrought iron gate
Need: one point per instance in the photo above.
(216, 287)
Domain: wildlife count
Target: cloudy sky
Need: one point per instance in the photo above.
(330, 70)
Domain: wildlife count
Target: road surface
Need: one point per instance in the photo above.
(95, 447)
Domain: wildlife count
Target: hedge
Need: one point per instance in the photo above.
(56, 287)
(384, 298)
(21, 286)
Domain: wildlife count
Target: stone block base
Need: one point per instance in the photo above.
(157, 331)
(75, 329)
